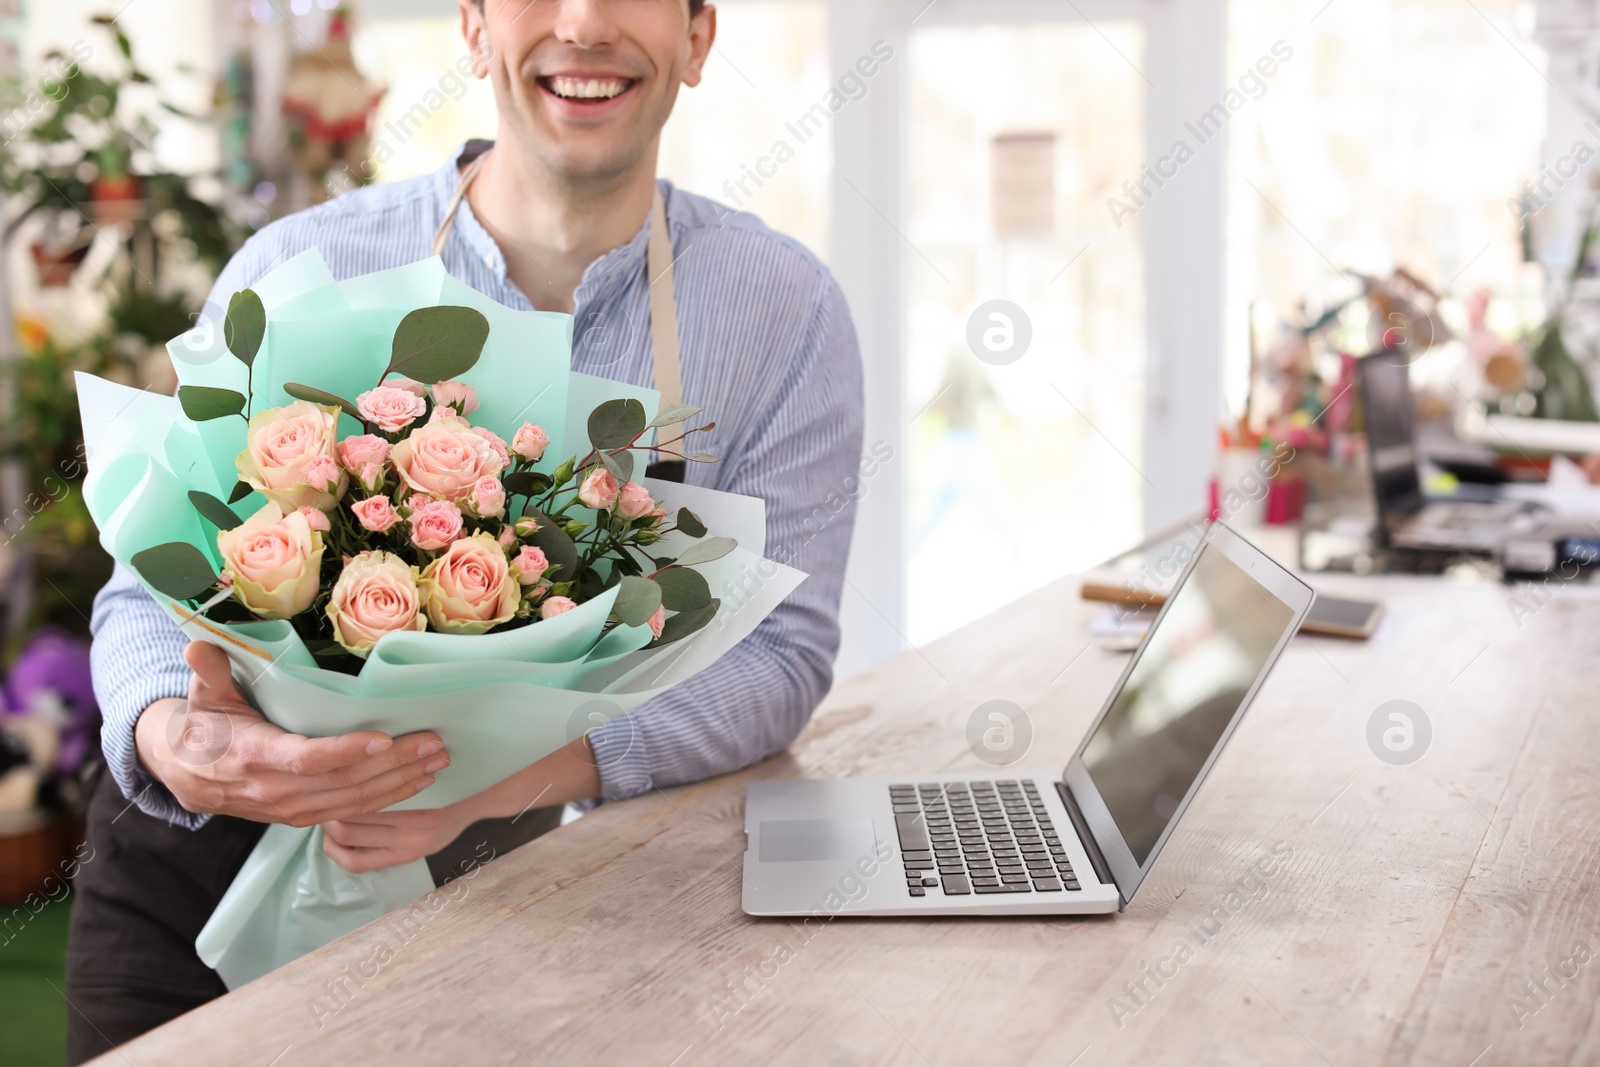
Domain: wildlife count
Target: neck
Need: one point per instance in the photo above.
(550, 228)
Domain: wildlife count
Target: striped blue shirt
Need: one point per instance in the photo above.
(767, 350)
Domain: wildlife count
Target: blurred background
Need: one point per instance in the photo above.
(1194, 214)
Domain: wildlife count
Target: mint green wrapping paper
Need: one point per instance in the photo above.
(499, 701)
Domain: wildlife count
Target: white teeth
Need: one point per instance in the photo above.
(592, 89)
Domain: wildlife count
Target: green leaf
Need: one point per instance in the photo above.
(690, 523)
(702, 457)
(615, 424)
(175, 569)
(683, 589)
(437, 343)
(240, 491)
(230, 610)
(556, 545)
(706, 551)
(682, 625)
(318, 396)
(674, 413)
(620, 465)
(245, 325)
(202, 403)
(526, 483)
(637, 600)
(213, 510)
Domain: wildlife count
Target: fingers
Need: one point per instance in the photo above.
(350, 759)
(213, 678)
(395, 829)
(370, 796)
(362, 860)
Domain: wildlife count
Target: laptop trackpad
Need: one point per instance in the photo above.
(785, 840)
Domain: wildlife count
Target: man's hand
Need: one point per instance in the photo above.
(218, 755)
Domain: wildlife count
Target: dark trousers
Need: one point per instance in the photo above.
(143, 894)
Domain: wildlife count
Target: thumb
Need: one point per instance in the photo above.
(213, 673)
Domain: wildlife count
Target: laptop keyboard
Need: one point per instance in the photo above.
(965, 838)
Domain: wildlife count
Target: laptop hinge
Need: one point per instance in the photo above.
(1098, 861)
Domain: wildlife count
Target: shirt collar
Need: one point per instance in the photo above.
(601, 279)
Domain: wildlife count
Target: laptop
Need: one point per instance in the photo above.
(1037, 842)
(1478, 520)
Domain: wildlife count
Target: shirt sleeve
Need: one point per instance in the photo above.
(805, 462)
(137, 653)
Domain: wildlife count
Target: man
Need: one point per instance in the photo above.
(557, 216)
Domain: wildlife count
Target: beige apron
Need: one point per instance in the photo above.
(663, 304)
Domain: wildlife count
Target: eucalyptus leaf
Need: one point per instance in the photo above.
(637, 600)
(620, 465)
(674, 413)
(556, 545)
(706, 551)
(213, 510)
(702, 457)
(175, 569)
(240, 491)
(690, 523)
(616, 423)
(319, 396)
(526, 483)
(683, 589)
(245, 326)
(685, 623)
(436, 343)
(202, 403)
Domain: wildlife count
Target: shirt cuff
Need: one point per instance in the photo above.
(622, 758)
(122, 754)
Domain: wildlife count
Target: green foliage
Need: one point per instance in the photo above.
(438, 343)
(176, 569)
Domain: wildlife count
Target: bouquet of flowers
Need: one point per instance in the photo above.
(445, 531)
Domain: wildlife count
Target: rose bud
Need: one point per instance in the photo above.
(317, 520)
(526, 527)
(599, 490)
(507, 538)
(458, 395)
(372, 478)
(633, 502)
(488, 498)
(435, 525)
(273, 562)
(326, 476)
(356, 452)
(376, 513)
(470, 588)
(657, 619)
(390, 407)
(556, 605)
(529, 442)
(529, 565)
(376, 594)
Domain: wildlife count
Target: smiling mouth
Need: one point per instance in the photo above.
(586, 90)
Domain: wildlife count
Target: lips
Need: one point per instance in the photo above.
(585, 89)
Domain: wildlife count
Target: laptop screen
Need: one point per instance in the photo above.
(1391, 444)
(1198, 665)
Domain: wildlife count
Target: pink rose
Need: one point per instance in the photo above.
(410, 385)
(376, 594)
(458, 395)
(445, 459)
(633, 502)
(507, 538)
(657, 620)
(470, 589)
(326, 476)
(273, 562)
(317, 520)
(526, 527)
(435, 525)
(599, 490)
(418, 501)
(529, 565)
(357, 451)
(281, 445)
(529, 442)
(390, 407)
(376, 513)
(497, 443)
(488, 498)
(556, 605)
(371, 478)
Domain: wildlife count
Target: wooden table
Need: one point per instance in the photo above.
(1406, 910)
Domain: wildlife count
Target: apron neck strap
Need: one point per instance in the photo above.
(663, 297)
